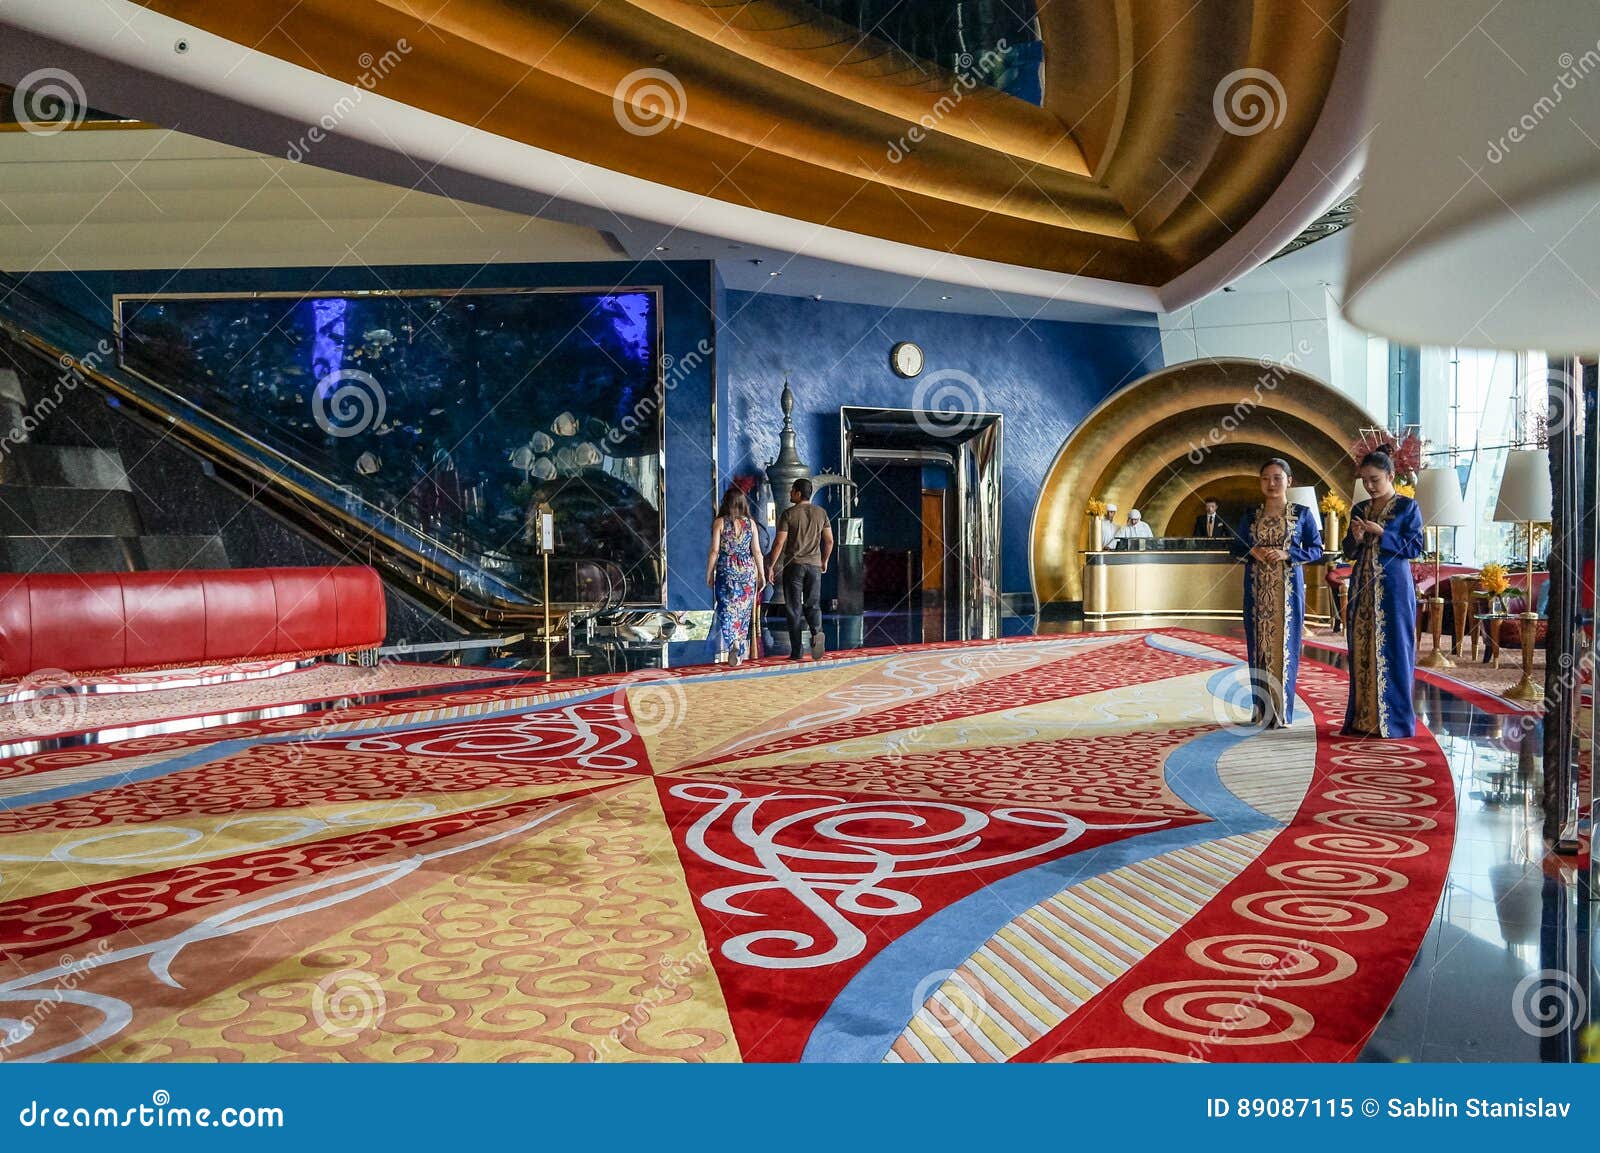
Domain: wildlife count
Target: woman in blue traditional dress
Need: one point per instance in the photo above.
(734, 570)
(1276, 540)
(1385, 536)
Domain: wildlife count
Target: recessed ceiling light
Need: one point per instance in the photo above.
(944, 298)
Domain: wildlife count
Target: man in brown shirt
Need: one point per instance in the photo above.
(804, 543)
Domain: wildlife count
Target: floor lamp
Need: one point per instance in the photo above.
(1439, 496)
(1525, 499)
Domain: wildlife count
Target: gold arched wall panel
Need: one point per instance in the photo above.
(1203, 420)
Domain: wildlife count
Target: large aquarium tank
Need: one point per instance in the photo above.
(457, 415)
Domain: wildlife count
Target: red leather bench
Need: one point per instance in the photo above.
(112, 622)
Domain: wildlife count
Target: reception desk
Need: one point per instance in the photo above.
(1177, 577)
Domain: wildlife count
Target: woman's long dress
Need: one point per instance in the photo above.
(735, 588)
(1382, 625)
(1275, 605)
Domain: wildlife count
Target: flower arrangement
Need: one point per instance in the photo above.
(1493, 579)
(1335, 504)
(1405, 450)
(1404, 489)
(1095, 507)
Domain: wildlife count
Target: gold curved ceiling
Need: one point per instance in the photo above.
(1125, 174)
(1151, 447)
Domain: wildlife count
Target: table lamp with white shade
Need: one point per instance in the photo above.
(1439, 498)
(1525, 498)
(1303, 495)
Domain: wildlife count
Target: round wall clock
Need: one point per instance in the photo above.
(906, 359)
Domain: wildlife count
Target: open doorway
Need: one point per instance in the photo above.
(926, 492)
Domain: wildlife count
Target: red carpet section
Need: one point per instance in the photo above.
(1041, 849)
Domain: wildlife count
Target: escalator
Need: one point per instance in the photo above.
(417, 433)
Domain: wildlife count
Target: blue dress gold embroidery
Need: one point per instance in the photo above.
(1382, 625)
(1275, 605)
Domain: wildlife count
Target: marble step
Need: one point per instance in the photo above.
(62, 466)
(26, 510)
(55, 554)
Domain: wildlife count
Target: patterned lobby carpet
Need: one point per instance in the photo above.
(1477, 682)
(1040, 849)
(58, 714)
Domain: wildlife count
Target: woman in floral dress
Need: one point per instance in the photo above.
(735, 572)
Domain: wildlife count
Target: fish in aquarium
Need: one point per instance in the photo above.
(435, 411)
(544, 468)
(381, 337)
(368, 463)
(587, 455)
(564, 425)
(541, 442)
(566, 459)
(522, 457)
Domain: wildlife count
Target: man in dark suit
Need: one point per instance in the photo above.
(1209, 524)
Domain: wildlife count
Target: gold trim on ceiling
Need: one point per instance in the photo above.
(1152, 442)
(1125, 175)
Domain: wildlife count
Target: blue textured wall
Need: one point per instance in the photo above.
(689, 293)
(1042, 376)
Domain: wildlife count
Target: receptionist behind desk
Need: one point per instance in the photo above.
(1210, 523)
(1135, 529)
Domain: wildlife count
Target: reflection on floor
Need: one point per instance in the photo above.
(1496, 968)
